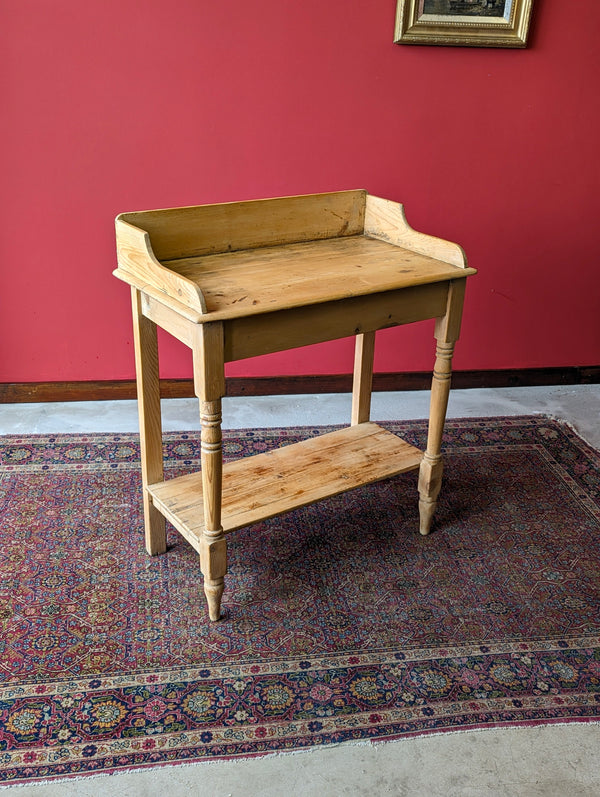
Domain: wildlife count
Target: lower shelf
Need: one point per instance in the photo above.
(270, 484)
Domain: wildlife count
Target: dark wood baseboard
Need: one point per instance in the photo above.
(21, 392)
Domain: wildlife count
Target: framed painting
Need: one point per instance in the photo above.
(471, 23)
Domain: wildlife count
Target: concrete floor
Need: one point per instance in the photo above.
(553, 761)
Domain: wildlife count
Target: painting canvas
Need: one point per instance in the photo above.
(475, 8)
(479, 23)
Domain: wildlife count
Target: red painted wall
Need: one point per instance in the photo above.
(124, 105)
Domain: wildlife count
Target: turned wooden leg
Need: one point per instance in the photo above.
(447, 329)
(363, 377)
(431, 469)
(213, 554)
(148, 393)
(209, 384)
(430, 472)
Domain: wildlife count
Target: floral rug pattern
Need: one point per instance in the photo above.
(341, 622)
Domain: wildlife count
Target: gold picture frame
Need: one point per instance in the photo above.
(466, 23)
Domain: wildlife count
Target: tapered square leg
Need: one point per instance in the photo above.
(148, 394)
(364, 351)
(213, 563)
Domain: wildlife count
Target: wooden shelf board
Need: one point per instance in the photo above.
(263, 486)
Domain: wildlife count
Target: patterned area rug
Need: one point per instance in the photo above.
(342, 622)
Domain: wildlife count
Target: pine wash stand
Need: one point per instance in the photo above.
(241, 279)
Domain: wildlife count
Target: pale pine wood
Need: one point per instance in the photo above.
(230, 226)
(213, 546)
(209, 358)
(447, 326)
(151, 451)
(170, 320)
(263, 486)
(440, 391)
(251, 282)
(301, 326)
(244, 279)
(431, 470)
(139, 267)
(386, 221)
(209, 383)
(212, 465)
(213, 561)
(447, 330)
(364, 351)
(429, 486)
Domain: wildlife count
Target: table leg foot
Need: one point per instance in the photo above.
(155, 530)
(213, 563)
(426, 513)
(213, 589)
(430, 483)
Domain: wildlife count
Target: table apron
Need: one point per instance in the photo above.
(168, 319)
(250, 336)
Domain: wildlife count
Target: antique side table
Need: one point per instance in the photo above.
(241, 279)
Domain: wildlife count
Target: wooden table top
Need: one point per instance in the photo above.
(266, 279)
